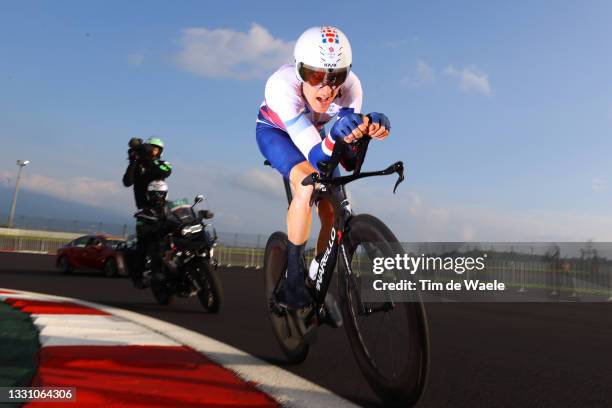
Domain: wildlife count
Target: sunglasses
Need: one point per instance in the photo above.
(320, 77)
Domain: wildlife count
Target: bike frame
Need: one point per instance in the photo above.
(328, 187)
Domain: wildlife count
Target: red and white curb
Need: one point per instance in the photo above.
(115, 357)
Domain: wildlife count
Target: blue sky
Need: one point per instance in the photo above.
(502, 112)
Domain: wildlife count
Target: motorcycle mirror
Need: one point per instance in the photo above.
(198, 199)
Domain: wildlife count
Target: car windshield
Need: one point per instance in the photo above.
(112, 243)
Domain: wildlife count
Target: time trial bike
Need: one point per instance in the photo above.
(389, 339)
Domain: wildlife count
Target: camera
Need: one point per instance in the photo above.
(138, 150)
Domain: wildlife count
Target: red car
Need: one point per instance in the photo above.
(91, 252)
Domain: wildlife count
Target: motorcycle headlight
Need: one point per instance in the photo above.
(192, 229)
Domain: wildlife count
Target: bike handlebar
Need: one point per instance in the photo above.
(328, 179)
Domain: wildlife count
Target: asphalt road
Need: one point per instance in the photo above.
(502, 355)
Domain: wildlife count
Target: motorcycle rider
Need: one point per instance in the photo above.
(299, 100)
(145, 166)
(150, 222)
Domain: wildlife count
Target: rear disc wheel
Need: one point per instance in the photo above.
(285, 329)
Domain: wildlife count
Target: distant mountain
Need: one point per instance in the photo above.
(37, 210)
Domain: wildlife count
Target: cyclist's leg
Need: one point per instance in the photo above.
(283, 155)
(326, 215)
(299, 216)
(299, 222)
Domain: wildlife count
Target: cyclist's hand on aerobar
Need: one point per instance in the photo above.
(350, 127)
(380, 125)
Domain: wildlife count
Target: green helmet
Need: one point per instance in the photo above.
(155, 141)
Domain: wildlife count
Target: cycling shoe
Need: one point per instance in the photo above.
(297, 297)
(333, 316)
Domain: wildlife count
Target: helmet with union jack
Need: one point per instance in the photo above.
(323, 56)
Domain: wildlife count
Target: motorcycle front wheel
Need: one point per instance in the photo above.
(211, 292)
(161, 292)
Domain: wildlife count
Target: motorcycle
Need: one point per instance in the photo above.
(187, 252)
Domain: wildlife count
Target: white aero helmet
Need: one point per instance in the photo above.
(323, 56)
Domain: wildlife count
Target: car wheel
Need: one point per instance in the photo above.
(110, 268)
(64, 265)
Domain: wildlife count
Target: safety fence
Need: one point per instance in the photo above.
(233, 249)
(226, 252)
(571, 279)
(66, 225)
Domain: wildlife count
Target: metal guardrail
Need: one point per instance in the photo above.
(30, 244)
(226, 255)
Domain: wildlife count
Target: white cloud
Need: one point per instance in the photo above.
(599, 184)
(225, 53)
(84, 190)
(470, 79)
(425, 73)
(264, 182)
(422, 74)
(135, 58)
(414, 218)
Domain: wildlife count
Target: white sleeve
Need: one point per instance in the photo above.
(285, 99)
(352, 94)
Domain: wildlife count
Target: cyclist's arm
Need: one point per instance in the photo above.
(351, 98)
(284, 99)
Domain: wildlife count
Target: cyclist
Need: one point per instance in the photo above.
(145, 166)
(299, 100)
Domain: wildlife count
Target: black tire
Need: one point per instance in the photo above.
(211, 294)
(64, 265)
(111, 269)
(161, 292)
(275, 265)
(404, 386)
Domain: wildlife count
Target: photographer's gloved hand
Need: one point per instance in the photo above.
(135, 144)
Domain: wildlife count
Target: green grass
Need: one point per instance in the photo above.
(18, 347)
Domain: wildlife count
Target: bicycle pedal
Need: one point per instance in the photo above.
(308, 332)
(278, 309)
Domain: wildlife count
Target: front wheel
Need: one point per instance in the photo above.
(161, 292)
(64, 265)
(111, 269)
(389, 337)
(286, 332)
(210, 293)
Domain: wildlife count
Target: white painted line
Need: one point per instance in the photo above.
(285, 387)
(63, 330)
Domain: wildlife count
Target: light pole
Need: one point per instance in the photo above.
(21, 164)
